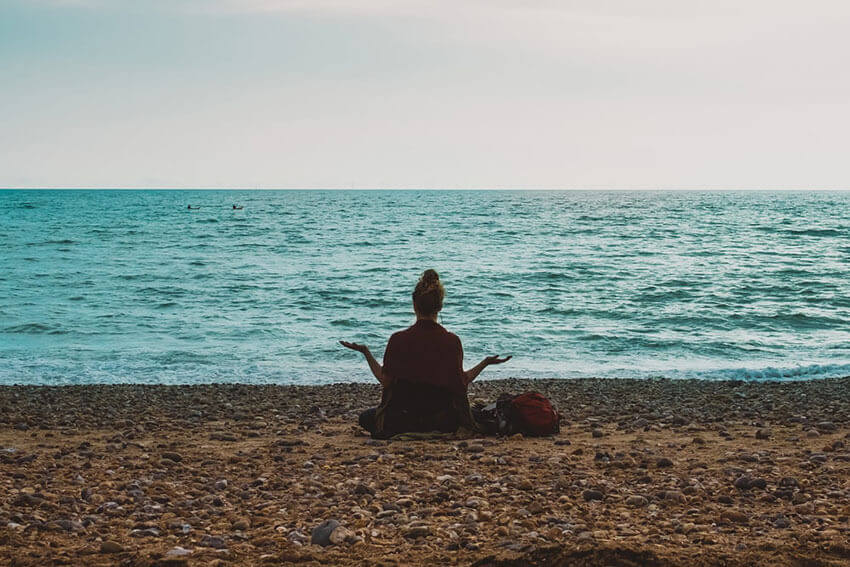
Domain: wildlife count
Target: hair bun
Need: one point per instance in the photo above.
(429, 277)
(429, 293)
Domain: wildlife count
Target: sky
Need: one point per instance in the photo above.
(675, 94)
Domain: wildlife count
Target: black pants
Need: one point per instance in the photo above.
(367, 420)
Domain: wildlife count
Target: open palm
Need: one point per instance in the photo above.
(355, 346)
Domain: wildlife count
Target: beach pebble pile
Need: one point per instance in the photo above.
(652, 472)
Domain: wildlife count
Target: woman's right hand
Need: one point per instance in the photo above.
(496, 360)
(363, 349)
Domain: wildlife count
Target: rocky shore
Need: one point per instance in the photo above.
(658, 472)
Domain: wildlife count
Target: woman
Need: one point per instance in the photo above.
(424, 384)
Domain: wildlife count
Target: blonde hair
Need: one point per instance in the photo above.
(429, 293)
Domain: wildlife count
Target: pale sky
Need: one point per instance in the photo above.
(434, 94)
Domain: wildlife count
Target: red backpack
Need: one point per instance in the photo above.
(532, 414)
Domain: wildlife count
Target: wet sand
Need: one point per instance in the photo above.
(683, 473)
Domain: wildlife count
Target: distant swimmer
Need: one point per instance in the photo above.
(191, 208)
(239, 208)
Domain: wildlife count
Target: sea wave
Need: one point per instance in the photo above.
(816, 232)
(773, 373)
(33, 329)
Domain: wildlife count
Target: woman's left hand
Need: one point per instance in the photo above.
(496, 360)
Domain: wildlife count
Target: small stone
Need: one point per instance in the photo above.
(596, 433)
(144, 532)
(362, 488)
(220, 484)
(178, 552)
(175, 457)
(763, 434)
(663, 463)
(781, 522)
(241, 525)
(340, 535)
(110, 546)
(636, 501)
(674, 496)
(734, 516)
(28, 499)
(825, 426)
(216, 542)
(218, 436)
(590, 495)
(417, 531)
(298, 537)
(67, 525)
(321, 534)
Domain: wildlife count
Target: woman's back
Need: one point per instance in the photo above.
(426, 353)
(426, 390)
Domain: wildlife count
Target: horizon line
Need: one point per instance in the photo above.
(646, 188)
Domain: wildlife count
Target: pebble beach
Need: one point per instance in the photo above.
(643, 472)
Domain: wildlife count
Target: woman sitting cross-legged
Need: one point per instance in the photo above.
(424, 384)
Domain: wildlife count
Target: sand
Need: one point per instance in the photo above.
(658, 472)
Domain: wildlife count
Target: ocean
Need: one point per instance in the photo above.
(131, 286)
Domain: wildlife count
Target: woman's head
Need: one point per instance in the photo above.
(428, 294)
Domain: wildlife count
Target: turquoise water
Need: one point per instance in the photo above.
(130, 286)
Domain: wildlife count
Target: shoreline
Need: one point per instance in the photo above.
(662, 472)
(340, 375)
